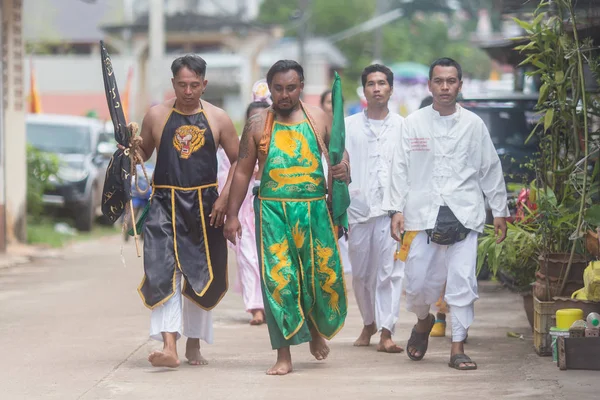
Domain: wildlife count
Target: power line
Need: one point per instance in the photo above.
(367, 26)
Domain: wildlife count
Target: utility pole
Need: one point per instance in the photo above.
(156, 43)
(2, 150)
(378, 39)
(304, 8)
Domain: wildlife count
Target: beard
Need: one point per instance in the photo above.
(286, 112)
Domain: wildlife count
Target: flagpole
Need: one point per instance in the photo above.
(135, 235)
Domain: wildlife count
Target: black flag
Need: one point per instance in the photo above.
(117, 184)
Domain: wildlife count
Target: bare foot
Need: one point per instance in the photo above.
(387, 345)
(258, 317)
(365, 336)
(283, 365)
(192, 353)
(319, 348)
(163, 358)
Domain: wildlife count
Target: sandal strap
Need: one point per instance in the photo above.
(461, 359)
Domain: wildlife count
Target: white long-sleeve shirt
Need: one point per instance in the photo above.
(370, 148)
(445, 161)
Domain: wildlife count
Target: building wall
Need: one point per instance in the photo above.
(14, 120)
(72, 84)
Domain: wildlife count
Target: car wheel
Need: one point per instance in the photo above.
(84, 219)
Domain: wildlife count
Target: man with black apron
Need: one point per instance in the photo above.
(185, 252)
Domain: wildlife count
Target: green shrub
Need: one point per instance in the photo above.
(41, 167)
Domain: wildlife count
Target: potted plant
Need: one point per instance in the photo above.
(514, 261)
(562, 185)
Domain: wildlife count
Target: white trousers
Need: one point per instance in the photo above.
(247, 257)
(376, 277)
(343, 246)
(429, 266)
(170, 316)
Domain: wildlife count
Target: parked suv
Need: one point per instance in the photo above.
(83, 147)
(510, 118)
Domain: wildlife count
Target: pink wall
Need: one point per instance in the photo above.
(75, 104)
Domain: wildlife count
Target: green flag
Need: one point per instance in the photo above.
(337, 143)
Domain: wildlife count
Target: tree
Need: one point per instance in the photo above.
(420, 36)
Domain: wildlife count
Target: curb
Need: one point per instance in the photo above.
(13, 261)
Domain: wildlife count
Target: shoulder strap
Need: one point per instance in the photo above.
(265, 140)
(318, 136)
(322, 147)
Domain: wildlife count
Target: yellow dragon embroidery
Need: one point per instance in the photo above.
(298, 235)
(324, 254)
(280, 251)
(291, 142)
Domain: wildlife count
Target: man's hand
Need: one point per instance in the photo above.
(397, 226)
(500, 227)
(340, 172)
(136, 141)
(217, 215)
(232, 229)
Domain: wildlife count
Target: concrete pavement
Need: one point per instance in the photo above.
(75, 328)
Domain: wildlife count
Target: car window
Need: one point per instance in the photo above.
(62, 139)
(508, 127)
(108, 137)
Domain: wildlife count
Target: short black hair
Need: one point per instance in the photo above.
(389, 75)
(190, 61)
(254, 105)
(324, 96)
(284, 66)
(427, 101)
(445, 62)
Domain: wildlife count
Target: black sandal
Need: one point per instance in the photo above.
(458, 359)
(419, 341)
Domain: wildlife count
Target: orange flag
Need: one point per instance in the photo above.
(126, 93)
(35, 103)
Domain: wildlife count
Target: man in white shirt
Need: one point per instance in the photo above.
(376, 277)
(441, 169)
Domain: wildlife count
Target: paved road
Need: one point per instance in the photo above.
(75, 328)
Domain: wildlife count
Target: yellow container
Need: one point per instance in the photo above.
(566, 317)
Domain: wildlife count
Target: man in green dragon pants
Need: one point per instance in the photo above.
(301, 272)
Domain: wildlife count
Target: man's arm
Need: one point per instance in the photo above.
(491, 177)
(242, 174)
(147, 146)
(491, 181)
(230, 143)
(394, 196)
(228, 140)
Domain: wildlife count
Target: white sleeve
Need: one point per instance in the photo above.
(394, 198)
(491, 177)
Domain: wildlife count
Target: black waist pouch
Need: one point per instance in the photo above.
(448, 229)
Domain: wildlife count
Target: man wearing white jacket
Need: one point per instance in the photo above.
(376, 278)
(445, 163)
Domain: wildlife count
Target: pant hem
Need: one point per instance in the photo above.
(158, 336)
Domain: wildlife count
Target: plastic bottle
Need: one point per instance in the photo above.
(593, 320)
(579, 324)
